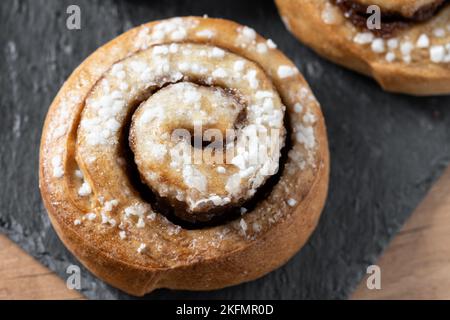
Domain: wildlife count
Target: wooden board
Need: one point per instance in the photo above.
(22, 277)
(416, 264)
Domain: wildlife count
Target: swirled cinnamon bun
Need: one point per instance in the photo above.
(187, 153)
(404, 44)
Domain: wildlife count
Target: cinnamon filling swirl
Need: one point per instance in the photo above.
(204, 138)
(391, 21)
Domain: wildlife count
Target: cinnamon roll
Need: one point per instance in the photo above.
(407, 50)
(187, 153)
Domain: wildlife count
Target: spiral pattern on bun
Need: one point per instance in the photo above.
(182, 151)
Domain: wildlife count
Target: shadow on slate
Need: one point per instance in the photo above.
(386, 149)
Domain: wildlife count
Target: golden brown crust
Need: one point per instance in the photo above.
(203, 259)
(415, 61)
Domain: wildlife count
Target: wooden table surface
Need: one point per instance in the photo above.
(416, 263)
(414, 266)
(22, 277)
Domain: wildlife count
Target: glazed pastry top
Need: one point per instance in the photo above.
(131, 93)
(415, 43)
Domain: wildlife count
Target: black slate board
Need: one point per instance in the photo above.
(386, 149)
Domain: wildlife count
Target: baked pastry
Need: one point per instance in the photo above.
(408, 53)
(118, 169)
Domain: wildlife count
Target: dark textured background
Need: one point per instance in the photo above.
(386, 149)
